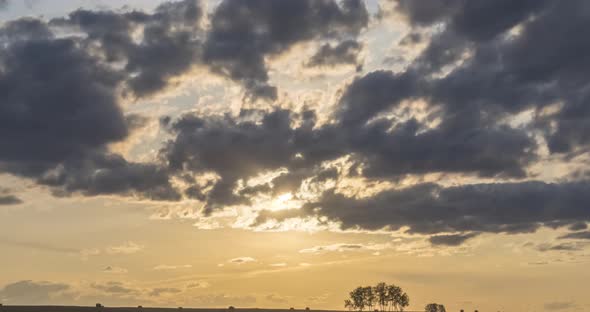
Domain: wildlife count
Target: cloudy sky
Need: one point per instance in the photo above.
(279, 153)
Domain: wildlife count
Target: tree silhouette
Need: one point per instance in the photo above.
(434, 307)
(369, 297)
(348, 304)
(357, 296)
(386, 297)
(380, 291)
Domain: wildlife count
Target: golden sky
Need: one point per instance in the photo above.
(278, 154)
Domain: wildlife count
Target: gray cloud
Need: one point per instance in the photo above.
(559, 305)
(244, 32)
(561, 247)
(156, 292)
(345, 52)
(9, 200)
(430, 209)
(577, 235)
(507, 74)
(30, 292)
(113, 288)
(58, 135)
(60, 109)
(578, 226)
(451, 240)
(169, 47)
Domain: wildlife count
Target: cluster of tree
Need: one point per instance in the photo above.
(386, 297)
(433, 307)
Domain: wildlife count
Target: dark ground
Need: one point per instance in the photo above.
(132, 309)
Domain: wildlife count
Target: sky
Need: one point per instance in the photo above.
(278, 154)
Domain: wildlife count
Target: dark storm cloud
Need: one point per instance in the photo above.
(254, 142)
(169, 44)
(451, 240)
(57, 103)
(231, 148)
(241, 35)
(542, 63)
(430, 208)
(24, 29)
(346, 52)
(244, 32)
(478, 20)
(104, 173)
(410, 148)
(59, 111)
(371, 94)
(463, 142)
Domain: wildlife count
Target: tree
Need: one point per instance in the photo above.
(434, 307)
(387, 297)
(369, 297)
(380, 291)
(403, 302)
(357, 296)
(348, 304)
(393, 297)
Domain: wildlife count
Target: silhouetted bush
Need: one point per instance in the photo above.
(231, 308)
(98, 305)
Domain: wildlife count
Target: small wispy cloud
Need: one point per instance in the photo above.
(198, 284)
(241, 260)
(166, 267)
(114, 270)
(126, 248)
(342, 247)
